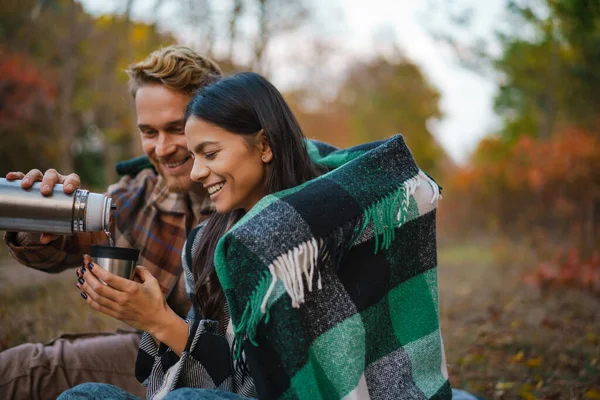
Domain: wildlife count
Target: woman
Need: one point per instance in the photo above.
(246, 143)
(286, 255)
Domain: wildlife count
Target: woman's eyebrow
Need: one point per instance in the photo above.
(200, 147)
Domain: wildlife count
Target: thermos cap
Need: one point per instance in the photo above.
(97, 216)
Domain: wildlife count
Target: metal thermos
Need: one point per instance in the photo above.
(27, 210)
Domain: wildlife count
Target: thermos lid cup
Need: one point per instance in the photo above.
(97, 215)
(119, 253)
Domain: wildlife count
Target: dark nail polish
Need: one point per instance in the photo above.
(84, 295)
(82, 270)
(81, 280)
(90, 266)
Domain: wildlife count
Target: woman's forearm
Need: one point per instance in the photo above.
(172, 331)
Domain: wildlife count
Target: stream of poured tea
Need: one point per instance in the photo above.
(111, 242)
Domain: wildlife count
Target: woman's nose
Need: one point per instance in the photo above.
(199, 172)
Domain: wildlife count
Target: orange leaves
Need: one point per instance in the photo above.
(518, 357)
(531, 362)
(539, 192)
(592, 394)
(568, 270)
(568, 158)
(535, 362)
(524, 390)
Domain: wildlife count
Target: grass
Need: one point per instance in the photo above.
(503, 340)
(39, 309)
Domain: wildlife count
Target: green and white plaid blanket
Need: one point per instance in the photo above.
(332, 285)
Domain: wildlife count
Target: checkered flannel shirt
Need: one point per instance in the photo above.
(148, 217)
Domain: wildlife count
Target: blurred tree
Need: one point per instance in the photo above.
(544, 192)
(116, 42)
(237, 7)
(263, 21)
(548, 67)
(327, 122)
(27, 101)
(385, 97)
(275, 17)
(84, 57)
(537, 181)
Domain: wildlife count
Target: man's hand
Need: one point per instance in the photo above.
(50, 178)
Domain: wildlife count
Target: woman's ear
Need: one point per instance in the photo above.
(266, 154)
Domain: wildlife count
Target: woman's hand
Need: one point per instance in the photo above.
(139, 304)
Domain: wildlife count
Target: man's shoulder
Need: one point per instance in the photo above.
(145, 179)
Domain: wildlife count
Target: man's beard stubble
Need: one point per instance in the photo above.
(179, 184)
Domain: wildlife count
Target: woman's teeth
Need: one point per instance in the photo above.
(215, 188)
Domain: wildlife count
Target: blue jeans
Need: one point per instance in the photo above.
(87, 391)
(458, 394)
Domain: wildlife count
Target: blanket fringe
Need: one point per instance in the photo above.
(291, 271)
(437, 194)
(299, 264)
(383, 215)
(288, 268)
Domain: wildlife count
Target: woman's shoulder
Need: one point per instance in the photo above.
(196, 233)
(191, 244)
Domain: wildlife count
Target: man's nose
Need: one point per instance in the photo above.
(164, 145)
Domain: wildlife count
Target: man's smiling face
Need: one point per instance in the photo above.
(160, 119)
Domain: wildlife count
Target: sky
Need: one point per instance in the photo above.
(363, 28)
(466, 97)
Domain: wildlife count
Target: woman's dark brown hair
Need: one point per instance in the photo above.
(246, 104)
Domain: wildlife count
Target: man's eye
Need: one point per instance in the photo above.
(148, 133)
(210, 156)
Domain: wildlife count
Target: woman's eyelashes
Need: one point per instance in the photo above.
(210, 155)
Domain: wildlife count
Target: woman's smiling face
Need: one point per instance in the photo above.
(232, 167)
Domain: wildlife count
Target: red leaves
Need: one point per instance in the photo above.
(568, 270)
(24, 93)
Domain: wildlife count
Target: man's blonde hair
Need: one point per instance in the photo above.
(176, 67)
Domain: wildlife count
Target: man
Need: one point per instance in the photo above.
(156, 208)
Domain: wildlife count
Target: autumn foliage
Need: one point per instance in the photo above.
(24, 93)
(568, 269)
(27, 102)
(544, 193)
